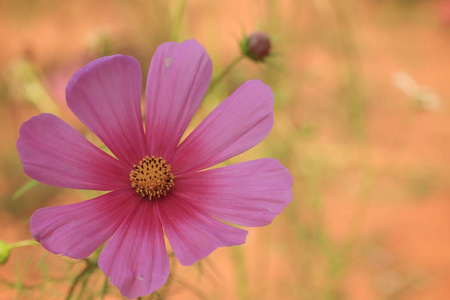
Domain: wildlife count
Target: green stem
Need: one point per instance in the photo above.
(216, 80)
(170, 279)
(86, 271)
(23, 244)
(84, 284)
(177, 21)
(241, 274)
(104, 290)
(24, 189)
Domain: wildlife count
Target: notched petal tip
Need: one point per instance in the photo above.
(192, 232)
(263, 186)
(54, 153)
(258, 86)
(77, 230)
(97, 63)
(106, 96)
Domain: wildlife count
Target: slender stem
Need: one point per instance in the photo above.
(177, 21)
(216, 80)
(192, 288)
(104, 290)
(170, 279)
(24, 189)
(83, 285)
(23, 244)
(241, 274)
(86, 271)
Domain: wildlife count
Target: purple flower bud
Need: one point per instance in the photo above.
(257, 46)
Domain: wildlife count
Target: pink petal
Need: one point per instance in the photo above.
(250, 193)
(192, 233)
(178, 78)
(135, 259)
(77, 230)
(54, 153)
(239, 123)
(106, 96)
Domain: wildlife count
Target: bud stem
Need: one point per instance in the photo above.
(218, 78)
(23, 244)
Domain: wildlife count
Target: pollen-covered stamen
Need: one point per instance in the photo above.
(152, 177)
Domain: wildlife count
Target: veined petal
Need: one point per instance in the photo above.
(250, 193)
(192, 233)
(177, 81)
(135, 259)
(77, 230)
(239, 123)
(106, 96)
(54, 153)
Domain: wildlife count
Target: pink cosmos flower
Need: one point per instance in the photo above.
(157, 184)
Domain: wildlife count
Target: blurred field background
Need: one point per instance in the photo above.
(361, 121)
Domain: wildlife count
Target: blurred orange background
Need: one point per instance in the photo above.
(361, 121)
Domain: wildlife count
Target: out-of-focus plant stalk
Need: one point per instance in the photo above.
(241, 274)
(353, 80)
(28, 81)
(104, 290)
(23, 244)
(23, 189)
(219, 77)
(177, 21)
(83, 276)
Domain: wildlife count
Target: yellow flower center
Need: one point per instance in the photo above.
(152, 177)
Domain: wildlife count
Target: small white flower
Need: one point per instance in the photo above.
(422, 95)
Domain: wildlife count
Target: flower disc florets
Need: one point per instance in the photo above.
(152, 177)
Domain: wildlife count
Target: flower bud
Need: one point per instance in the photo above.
(5, 252)
(256, 46)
